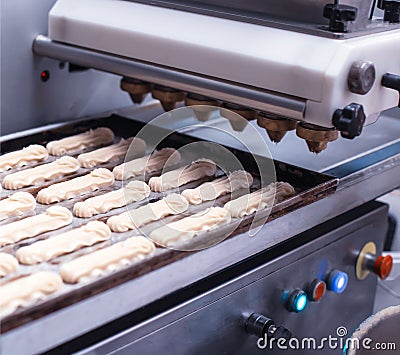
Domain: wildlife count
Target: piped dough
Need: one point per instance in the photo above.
(89, 139)
(107, 260)
(258, 200)
(189, 227)
(211, 190)
(16, 205)
(54, 218)
(27, 290)
(178, 177)
(172, 204)
(147, 164)
(133, 192)
(81, 185)
(46, 172)
(64, 243)
(8, 264)
(30, 154)
(113, 152)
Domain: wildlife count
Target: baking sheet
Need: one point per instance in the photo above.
(309, 186)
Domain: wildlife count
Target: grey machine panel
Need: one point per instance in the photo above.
(27, 101)
(215, 321)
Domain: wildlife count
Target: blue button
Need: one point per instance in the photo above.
(300, 302)
(296, 300)
(337, 281)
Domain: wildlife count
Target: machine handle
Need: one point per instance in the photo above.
(391, 81)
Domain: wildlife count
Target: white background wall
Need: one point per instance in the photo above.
(28, 102)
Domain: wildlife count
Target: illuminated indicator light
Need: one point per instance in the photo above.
(296, 300)
(45, 75)
(300, 303)
(337, 281)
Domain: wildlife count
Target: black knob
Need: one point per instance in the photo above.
(391, 81)
(391, 10)
(350, 120)
(339, 16)
(262, 326)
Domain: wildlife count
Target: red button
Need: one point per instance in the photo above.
(383, 266)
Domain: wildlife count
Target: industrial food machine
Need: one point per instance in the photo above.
(324, 73)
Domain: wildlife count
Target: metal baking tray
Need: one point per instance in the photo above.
(310, 187)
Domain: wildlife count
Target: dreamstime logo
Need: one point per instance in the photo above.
(337, 341)
(162, 219)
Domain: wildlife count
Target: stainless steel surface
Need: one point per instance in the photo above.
(363, 183)
(26, 101)
(212, 87)
(214, 322)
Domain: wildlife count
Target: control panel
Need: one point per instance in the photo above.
(324, 287)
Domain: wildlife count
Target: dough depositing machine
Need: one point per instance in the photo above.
(323, 72)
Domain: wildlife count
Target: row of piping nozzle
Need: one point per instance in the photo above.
(316, 137)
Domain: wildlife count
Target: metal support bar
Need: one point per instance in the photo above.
(252, 97)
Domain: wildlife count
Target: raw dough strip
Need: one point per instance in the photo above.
(64, 243)
(32, 153)
(147, 164)
(113, 152)
(27, 290)
(178, 177)
(258, 200)
(89, 139)
(173, 204)
(46, 172)
(8, 264)
(54, 218)
(212, 190)
(133, 192)
(16, 205)
(189, 227)
(76, 187)
(106, 260)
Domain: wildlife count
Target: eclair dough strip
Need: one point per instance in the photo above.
(170, 205)
(147, 164)
(64, 243)
(113, 152)
(89, 139)
(178, 177)
(133, 192)
(8, 264)
(16, 205)
(258, 200)
(189, 227)
(75, 187)
(46, 172)
(212, 190)
(105, 260)
(54, 218)
(27, 290)
(32, 153)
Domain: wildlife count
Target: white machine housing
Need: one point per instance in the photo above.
(309, 68)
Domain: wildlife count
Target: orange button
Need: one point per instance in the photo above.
(383, 266)
(317, 290)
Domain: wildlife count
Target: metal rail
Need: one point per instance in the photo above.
(256, 98)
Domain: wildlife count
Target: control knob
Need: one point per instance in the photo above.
(262, 326)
